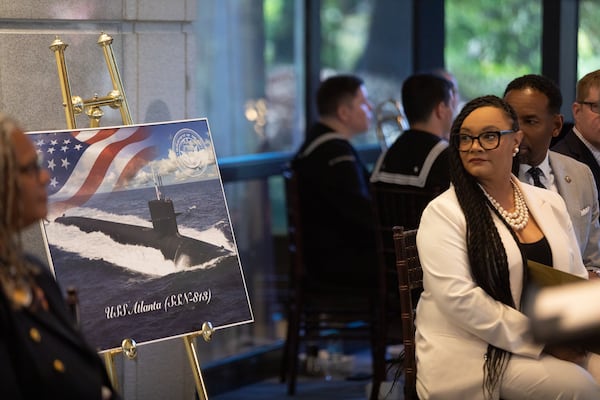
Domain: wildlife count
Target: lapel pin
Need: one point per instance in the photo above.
(568, 179)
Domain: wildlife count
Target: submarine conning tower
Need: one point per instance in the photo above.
(163, 217)
(162, 212)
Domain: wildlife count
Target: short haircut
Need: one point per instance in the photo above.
(421, 93)
(584, 85)
(336, 90)
(543, 85)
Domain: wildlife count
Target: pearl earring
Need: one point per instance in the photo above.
(515, 151)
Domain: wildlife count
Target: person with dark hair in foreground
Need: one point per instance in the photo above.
(42, 353)
(474, 240)
(337, 214)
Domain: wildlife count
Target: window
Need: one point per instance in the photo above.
(357, 37)
(249, 63)
(588, 38)
(489, 43)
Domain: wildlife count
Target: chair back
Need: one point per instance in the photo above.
(394, 205)
(397, 205)
(317, 312)
(410, 284)
(294, 226)
(400, 205)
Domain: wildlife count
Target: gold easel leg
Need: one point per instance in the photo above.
(109, 361)
(190, 347)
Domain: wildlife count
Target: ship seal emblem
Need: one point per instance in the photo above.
(191, 152)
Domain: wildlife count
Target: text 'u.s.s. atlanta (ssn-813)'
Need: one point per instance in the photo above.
(171, 301)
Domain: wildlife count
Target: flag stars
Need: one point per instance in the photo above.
(53, 142)
(53, 182)
(64, 149)
(51, 164)
(50, 150)
(78, 147)
(39, 143)
(65, 163)
(67, 141)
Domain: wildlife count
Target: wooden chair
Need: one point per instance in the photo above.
(394, 205)
(316, 313)
(410, 285)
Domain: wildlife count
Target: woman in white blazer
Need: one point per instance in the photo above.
(472, 340)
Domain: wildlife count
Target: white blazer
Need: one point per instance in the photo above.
(456, 319)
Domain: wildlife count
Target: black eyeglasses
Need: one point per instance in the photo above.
(595, 107)
(488, 140)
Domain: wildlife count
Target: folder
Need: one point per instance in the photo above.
(545, 276)
(562, 307)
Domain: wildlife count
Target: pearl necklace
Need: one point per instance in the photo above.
(517, 219)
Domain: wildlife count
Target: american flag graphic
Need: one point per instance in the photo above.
(82, 163)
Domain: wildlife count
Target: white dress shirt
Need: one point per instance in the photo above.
(547, 177)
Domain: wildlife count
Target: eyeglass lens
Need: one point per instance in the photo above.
(594, 106)
(487, 140)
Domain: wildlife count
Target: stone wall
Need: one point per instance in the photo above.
(154, 48)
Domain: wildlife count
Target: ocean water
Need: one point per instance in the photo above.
(132, 291)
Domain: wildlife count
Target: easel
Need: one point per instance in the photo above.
(129, 349)
(93, 109)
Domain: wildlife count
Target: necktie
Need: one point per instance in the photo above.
(535, 173)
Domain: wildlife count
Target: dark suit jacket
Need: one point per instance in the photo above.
(43, 355)
(573, 147)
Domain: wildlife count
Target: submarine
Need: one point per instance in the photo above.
(164, 235)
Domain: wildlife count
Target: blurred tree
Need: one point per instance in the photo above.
(488, 43)
(279, 31)
(378, 56)
(588, 37)
(343, 27)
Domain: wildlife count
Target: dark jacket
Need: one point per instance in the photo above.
(573, 147)
(42, 353)
(337, 214)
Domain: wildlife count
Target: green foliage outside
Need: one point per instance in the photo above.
(588, 37)
(344, 24)
(489, 43)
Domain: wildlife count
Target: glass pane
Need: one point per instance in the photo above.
(588, 38)
(489, 43)
(356, 38)
(249, 70)
(249, 73)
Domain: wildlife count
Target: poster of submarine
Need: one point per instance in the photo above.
(139, 226)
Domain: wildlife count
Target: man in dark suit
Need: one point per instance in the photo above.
(419, 157)
(583, 141)
(537, 101)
